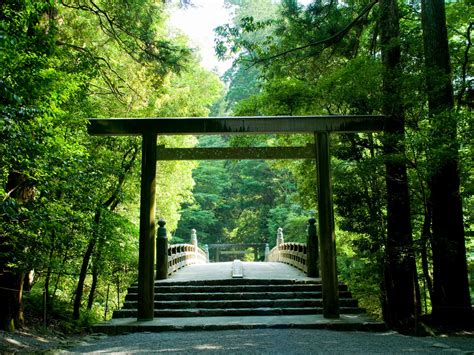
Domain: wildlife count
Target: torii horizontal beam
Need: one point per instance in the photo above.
(236, 125)
(231, 153)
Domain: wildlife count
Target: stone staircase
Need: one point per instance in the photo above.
(237, 298)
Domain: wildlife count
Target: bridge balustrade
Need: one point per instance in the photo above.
(294, 254)
(181, 255)
(303, 256)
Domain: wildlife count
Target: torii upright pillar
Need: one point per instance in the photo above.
(327, 235)
(146, 258)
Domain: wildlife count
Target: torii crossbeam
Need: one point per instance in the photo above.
(319, 126)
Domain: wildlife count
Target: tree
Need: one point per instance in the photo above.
(451, 300)
(401, 284)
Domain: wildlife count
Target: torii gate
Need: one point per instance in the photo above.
(319, 126)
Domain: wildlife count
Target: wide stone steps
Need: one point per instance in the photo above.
(237, 288)
(256, 303)
(197, 296)
(237, 298)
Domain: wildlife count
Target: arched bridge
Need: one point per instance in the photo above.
(192, 293)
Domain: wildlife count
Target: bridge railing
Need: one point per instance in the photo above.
(303, 256)
(171, 258)
(294, 254)
(181, 255)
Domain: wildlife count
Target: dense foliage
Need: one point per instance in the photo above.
(69, 202)
(325, 58)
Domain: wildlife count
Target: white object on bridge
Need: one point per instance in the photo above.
(267, 251)
(237, 269)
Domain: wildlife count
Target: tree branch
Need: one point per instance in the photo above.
(327, 41)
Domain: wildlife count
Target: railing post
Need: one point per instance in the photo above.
(267, 251)
(280, 239)
(206, 250)
(161, 252)
(312, 259)
(194, 240)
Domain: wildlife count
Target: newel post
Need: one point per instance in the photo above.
(280, 239)
(312, 262)
(161, 252)
(206, 250)
(194, 239)
(267, 251)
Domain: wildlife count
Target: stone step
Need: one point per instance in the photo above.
(236, 295)
(285, 303)
(236, 288)
(232, 312)
(237, 281)
(350, 322)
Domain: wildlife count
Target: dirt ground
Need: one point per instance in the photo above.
(40, 340)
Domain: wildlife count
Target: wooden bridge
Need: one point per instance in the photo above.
(196, 294)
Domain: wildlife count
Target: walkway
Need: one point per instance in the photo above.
(251, 270)
(276, 341)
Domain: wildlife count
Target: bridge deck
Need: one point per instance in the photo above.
(251, 270)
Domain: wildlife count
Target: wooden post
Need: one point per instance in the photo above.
(161, 252)
(326, 228)
(313, 250)
(147, 228)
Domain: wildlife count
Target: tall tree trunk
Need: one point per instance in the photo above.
(85, 265)
(400, 278)
(11, 299)
(47, 280)
(95, 272)
(21, 189)
(425, 239)
(451, 301)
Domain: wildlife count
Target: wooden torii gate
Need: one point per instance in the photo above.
(319, 126)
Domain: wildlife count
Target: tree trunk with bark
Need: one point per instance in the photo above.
(400, 278)
(451, 300)
(85, 265)
(20, 188)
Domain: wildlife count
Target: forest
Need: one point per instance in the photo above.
(403, 198)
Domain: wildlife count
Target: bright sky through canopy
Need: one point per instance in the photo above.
(198, 22)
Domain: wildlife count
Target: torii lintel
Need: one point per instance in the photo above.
(236, 125)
